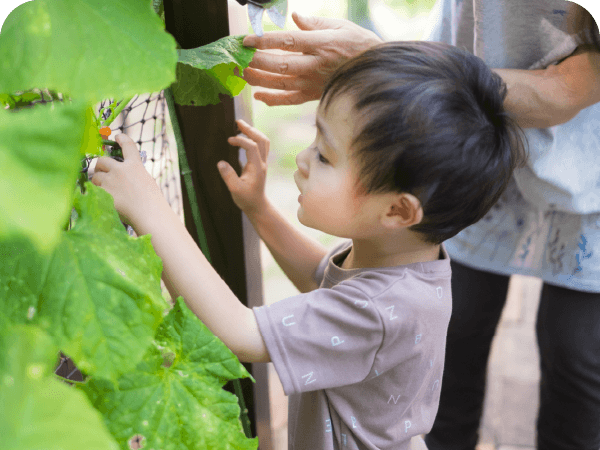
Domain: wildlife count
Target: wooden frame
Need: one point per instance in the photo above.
(233, 243)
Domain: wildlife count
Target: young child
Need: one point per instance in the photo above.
(412, 146)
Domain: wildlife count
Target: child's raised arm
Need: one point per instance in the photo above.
(297, 254)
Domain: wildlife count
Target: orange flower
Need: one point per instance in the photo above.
(105, 132)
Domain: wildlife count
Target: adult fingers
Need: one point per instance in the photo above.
(317, 23)
(285, 64)
(291, 41)
(129, 147)
(274, 81)
(286, 98)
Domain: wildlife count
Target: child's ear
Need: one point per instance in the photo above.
(404, 211)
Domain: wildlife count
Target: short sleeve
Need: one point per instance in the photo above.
(320, 271)
(321, 339)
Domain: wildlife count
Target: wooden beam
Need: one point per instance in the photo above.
(205, 130)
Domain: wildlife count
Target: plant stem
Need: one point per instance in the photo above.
(115, 113)
(185, 171)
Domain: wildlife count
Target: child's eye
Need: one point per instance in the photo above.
(320, 157)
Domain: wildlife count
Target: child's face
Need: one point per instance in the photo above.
(326, 178)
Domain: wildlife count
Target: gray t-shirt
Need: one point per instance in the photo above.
(361, 358)
(547, 223)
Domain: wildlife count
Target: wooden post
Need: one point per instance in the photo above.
(205, 130)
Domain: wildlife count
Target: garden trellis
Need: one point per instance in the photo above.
(144, 119)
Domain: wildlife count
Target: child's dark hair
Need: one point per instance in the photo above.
(432, 124)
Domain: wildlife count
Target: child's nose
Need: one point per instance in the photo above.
(302, 163)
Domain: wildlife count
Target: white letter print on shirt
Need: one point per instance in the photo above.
(353, 421)
(363, 303)
(344, 439)
(392, 316)
(336, 341)
(309, 375)
(328, 425)
(438, 291)
(288, 324)
(395, 399)
(407, 425)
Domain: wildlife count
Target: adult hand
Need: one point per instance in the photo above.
(321, 46)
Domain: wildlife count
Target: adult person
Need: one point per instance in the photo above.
(547, 224)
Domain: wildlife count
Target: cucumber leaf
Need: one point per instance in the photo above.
(174, 400)
(102, 291)
(87, 49)
(98, 295)
(36, 410)
(205, 72)
(39, 161)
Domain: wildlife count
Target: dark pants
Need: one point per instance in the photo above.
(568, 335)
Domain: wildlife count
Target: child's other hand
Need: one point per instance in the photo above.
(248, 190)
(129, 183)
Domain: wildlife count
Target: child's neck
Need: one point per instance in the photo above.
(397, 252)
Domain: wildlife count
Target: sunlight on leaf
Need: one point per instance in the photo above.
(87, 49)
(39, 162)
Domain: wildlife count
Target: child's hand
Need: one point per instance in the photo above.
(248, 190)
(131, 186)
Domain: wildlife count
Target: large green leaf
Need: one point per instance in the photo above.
(39, 160)
(102, 292)
(174, 400)
(88, 49)
(205, 72)
(37, 411)
(98, 294)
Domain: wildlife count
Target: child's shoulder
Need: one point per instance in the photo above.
(400, 280)
(373, 282)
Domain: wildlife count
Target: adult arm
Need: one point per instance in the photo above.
(537, 98)
(552, 96)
